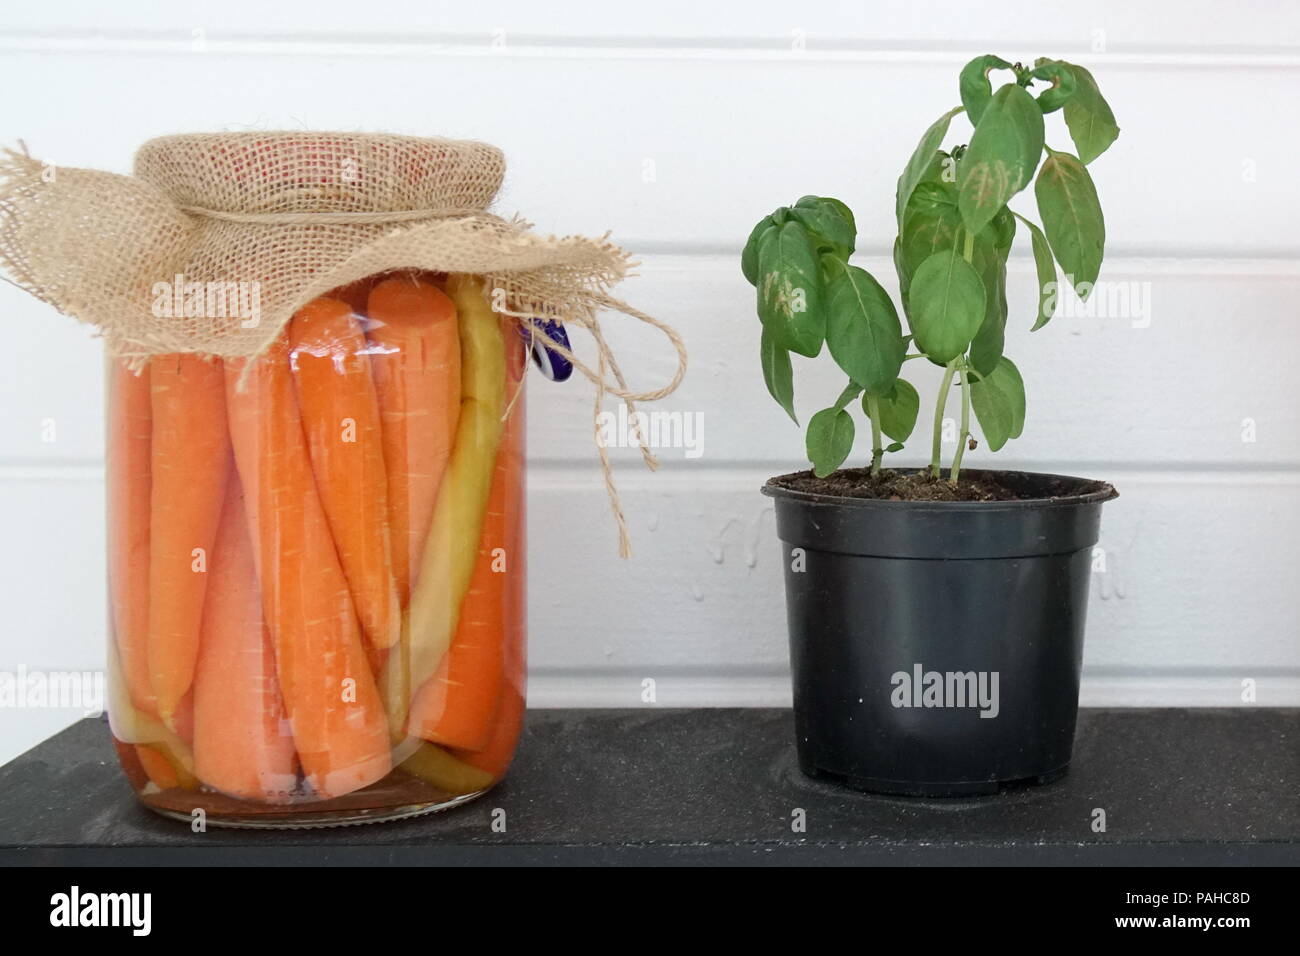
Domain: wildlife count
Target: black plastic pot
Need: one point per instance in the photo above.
(989, 596)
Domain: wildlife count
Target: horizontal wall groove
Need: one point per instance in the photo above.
(75, 470)
(674, 469)
(1189, 262)
(629, 473)
(815, 49)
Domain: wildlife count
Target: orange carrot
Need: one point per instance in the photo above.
(499, 751)
(496, 756)
(457, 706)
(130, 426)
(415, 357)
(132, 726)
(131, 766)
(517, 594)
(184, 717)
(355, 294)
(340, 414)
(162, 774)
(339, 726)
(165, 768)
(451, 547)
(242, 743)
(190, 457)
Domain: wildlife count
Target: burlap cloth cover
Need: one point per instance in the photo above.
(299, 213)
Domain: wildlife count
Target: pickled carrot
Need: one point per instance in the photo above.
(415, 358)
(340, 415)
(130, 428)
(451, 547)
(190, 463)
(355, 294)
(516, 597)
(130, 761)
(495, 757)
(167, 759)
(166, 768)
(334, 708)
(184, 716)
(160, 770)
(457, 706)
(242, 743)
(132, 726)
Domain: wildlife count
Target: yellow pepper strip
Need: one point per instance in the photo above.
(451, 549)
(435, 766)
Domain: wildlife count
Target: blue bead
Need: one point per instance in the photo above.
(552, 364)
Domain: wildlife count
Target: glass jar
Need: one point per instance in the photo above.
(316, 562)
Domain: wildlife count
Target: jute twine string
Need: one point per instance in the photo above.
(274, 206)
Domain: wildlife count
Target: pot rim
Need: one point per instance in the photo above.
(1105, 492)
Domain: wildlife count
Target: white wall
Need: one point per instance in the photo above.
(736, 118)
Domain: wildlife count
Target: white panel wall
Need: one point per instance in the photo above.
(736, 109)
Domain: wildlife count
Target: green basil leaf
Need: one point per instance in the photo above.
(999, 402)
(929, 197)
(790, 289)
(1046, 274)
(901, 267)
(1002, 156)
(986, 346)
(1072, 219)
(862, 329)
(831, 266)
(824, 221)
(830, 439)
(947, 305)
(922, 159)
(849, 393)
(1062, 88)
(1014, 386)
(840, 207)
(993, 411)
(928, 229)
(1002, 232)
(898, 410)
(749, 257)
(1088, 116)
(929, 221)
(894, 446)
(976, 90)
(778, 374)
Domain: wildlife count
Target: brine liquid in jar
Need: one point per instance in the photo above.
(317, 562)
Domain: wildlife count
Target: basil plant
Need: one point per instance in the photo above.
(955, 232)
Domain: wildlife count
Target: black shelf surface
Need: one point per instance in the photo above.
(654, 786)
